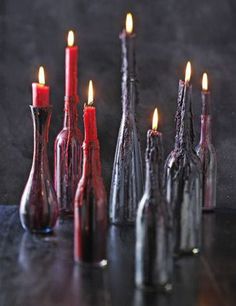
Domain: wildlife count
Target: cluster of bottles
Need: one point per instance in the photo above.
(167, 212)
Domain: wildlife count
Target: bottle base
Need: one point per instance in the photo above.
(46, 231)
(192, 252)
(164, 288)
(208, 210)
(98, 264)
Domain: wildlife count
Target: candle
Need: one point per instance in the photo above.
(71, 62)
(206, 95)
(40, 92)
(90, 124)
(127, 37)
(153, 252)
(206, 151)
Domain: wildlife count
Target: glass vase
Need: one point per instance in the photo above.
(39, 206)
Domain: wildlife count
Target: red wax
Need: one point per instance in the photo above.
(90, 124)
(71, 72)
(40, 95)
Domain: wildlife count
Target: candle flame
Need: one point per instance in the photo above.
(70, 38)
(155, 120)
(129, 23)
(41, 75)
(90, 93)
(204, 81)
(188, 72)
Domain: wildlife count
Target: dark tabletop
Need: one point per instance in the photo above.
(39, 271)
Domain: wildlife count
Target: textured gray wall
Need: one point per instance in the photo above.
(169, 33)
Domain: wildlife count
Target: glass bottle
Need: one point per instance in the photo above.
(153, 251)
(206, 152)
(68, 159)
(183, 181)
(38, 206)
(90, 210)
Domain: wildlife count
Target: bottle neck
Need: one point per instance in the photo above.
(186, 132)
(154, 155)
(70, 114)
(128, 72)
(205, 129)
(41, 120)
(178, 113)
(91, 160)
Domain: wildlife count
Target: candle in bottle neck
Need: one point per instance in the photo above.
(90, 124)
(71, 73)
(40, 92)
(205, 95)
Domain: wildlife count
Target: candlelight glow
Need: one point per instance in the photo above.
(70, 39)
(188, 72)
(204, 81)
(129, 23)
(90, 93)
(41, 75)
(155, 120)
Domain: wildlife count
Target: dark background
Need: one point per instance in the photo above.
(169, 33)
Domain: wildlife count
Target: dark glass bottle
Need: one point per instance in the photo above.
(183, 180)
(206, 152)
(68, 159)
(38, 206)
(153, 252)
(90, 208)
(127, 176)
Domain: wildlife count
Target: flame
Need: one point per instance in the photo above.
(204, 81)
(188, 72)
(41, 75)
(129, 23)
(70, 38)
(90, 93)
(155, 120)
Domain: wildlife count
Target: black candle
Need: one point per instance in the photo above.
(153, 252)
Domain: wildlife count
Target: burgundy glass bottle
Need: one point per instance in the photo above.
(39, 207)
(206, 152)
(67, 150)
(68, 159)
(90, 201)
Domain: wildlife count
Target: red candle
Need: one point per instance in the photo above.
(40, 92)
(71, 67)
(90, 124)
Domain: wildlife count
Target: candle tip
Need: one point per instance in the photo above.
(188, 72)
(204, 81)
(90, 93)
(129, 23)
(155, 120)
(70, 38)
(41, 75)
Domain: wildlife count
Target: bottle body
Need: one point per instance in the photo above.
(90, 218)
(39, 206)
(127, 176)
(207, 154)
(68, 161)
(183, 194)
(153, 250)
